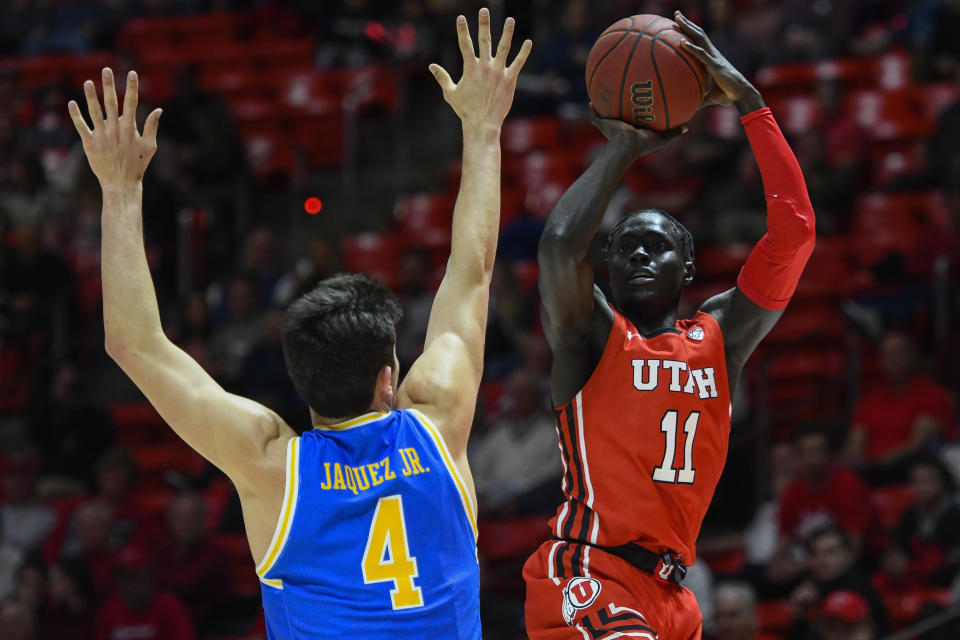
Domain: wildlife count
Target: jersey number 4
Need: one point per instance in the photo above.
(666, 471)
(387, 556)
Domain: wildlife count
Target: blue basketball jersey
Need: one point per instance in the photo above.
(376, 537)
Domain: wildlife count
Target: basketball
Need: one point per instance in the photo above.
(638, 72)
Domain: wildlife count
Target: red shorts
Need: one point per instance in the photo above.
(611, 599)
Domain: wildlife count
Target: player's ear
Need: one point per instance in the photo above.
(384, 392)
(689, 270)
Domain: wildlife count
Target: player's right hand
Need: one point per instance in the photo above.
(485, 91)
(117, 153)
(636, 140)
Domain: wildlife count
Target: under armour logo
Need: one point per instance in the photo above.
(631, 335)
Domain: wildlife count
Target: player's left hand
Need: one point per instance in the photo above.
(117, 153)
(485, 91)
(729, 85)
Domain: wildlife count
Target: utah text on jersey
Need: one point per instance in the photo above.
(650, 375)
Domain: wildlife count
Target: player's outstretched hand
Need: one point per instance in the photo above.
(729, 85)
(485, 91)
(116, 151)
(638, 140)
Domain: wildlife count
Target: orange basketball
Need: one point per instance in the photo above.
(638, 72)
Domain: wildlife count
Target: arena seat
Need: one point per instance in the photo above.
(887, 222)
(815, 320)
(523, 135)
(157, 459)
(143, 34)
(235, 80)
(722, 262)
(904, 608)
(775, 616)
(280, 51)
(889, 503)
(309, 91)
(802, 76)
(138, 421)
(807, 364)
(937, 97)
(319, 138)
(268, 150)
(377, 255)
(889, 115)
(830, 272)
(424, 219)
(205, 26)
(796, 114)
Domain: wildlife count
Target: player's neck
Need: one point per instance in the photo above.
(648, 322)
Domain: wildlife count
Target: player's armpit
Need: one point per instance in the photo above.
(238, 435)
(744, 324)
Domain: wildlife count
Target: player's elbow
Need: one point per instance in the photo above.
(555, 241)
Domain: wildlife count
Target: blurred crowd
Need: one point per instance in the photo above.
(107, 524)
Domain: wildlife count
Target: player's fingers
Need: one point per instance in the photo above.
(506, 40)
(698, 52)
(78, 120)
(463, 37)
(690, 28)
(130, 98)
(109, 94)
(521, 58)
(442, 77)
(483, 34)
(93, 103)
(150, 127)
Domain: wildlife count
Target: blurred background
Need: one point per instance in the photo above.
(301, 138)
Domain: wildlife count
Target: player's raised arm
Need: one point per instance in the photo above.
(768, 279)
(232, 432)
(444, 380)
(566, 275)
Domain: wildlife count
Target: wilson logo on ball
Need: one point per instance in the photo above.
(641, 96)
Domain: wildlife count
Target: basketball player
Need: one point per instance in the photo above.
(365, 525)
(642, 397)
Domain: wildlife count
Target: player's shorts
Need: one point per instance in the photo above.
(610, 599)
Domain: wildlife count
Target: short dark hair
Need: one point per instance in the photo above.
(336, 339)
(933, 462)
(686, 238)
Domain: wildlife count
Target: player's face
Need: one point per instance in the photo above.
(646, 265)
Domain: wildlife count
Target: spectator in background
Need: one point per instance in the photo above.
(563, 56)
(234, 341)
(320, 262)
(823, 493)
(137, 609)
(188, 564)
(116, 481)
(25, 521)
(18, 622)
(832, 569)
(926, 543)
(263, 375)
(416, 299)
(514, 462)
(260, 261)
(193, 329)
(70, 429)
(904, 415)
(512, 311)
(845, 615)
(735, 613)
(70, 607)
(90, 544)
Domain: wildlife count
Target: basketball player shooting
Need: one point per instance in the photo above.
(364, 525)
(642, 397)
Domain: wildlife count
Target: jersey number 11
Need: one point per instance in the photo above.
(666, 471)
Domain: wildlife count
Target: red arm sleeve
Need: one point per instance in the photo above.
(773, 269)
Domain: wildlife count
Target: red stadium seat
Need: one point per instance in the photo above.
(889, 503)
(903, 608)
(802, 76)
(722, 263)
(310, 91)
(889, 115)
(935, 98)
(206, 26)
(268, 150)
(796, 114)
(377, 255)
(775, 616)
(830, 272)
(891, 71)
(819, 321)
(319, 139)
(283, 51)
(885, 223)
(523, 135)
(424, 219)
(233, 80)
(143, 34)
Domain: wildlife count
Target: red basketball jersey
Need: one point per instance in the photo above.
(645, 441)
